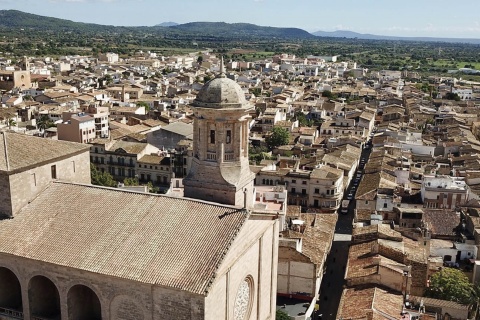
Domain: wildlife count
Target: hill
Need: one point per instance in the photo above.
(14, 19)
(18, 19)
(241, 30)
(167, 24)
(366, 36)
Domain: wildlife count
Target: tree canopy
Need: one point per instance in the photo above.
(450, 284)
(101, 178)
(279, 137)
(281, 315)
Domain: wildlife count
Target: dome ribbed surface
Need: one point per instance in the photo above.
(220, 93)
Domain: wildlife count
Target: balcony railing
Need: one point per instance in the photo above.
(11, 313)
(229, 157)
(211, 156)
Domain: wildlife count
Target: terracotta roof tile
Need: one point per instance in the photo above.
(141, 237)
(20, 151)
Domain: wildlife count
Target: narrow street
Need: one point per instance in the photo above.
(333, 280)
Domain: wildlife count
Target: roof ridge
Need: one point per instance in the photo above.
(226, 249)
(7, 162)
(148, 194)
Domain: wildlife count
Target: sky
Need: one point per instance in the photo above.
(418, 18)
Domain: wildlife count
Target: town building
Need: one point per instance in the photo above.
(28, 165)
(91, 252)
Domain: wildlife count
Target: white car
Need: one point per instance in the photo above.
(350, 196)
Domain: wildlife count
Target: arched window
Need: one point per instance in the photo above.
(10, 291)
(83, 304)
(44, 298)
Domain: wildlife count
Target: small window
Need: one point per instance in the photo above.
(304, 191)
(304, 182)
(317, 190)
(54, 171)
(229, 136)
(294, 181)
(385, 205)
(212, 136)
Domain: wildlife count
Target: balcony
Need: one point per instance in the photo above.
(11, 313)
(211, 156)
(229, 157)
(124, 164)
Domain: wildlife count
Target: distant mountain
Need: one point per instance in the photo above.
(167, 24)
(241, 30)
(19, 19)
(209, 30)
(367, 36)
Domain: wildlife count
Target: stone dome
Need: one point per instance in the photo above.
(220, 93)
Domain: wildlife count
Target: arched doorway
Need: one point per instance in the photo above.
(83, 304)
(44, 298)
(10, 291)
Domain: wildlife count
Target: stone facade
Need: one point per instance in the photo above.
(121, 299)
(25, 185)
(220, 169)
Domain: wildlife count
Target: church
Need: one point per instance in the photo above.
(70, 250)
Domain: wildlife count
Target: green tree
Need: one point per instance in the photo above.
(11, 123)
(452, 96)
(144, 104)
(44, 123)
(281, 315)
(302, 119)
(278, 137)
(152, 188)
(131, 182)
(450, 284)
(101, 178)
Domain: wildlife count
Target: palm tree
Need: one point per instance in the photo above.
(475, 299)
(44, 123)
(11, 122)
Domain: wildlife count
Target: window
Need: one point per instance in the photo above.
(294, 181)
(53, 170)
(385, 205)
(304, 191)
(212, 136)
(229, 136)
(304, 182)
(366, 202)
(293, 190)
(317, 190)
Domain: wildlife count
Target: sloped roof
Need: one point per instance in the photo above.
(20, 152)
(154, 239)
(369, 302)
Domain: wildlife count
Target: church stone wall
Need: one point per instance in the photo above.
(256, 242)
(178, 305)
(120, 299)
(5, 199)
(26, 185)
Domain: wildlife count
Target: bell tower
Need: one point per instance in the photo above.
(220, 169)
